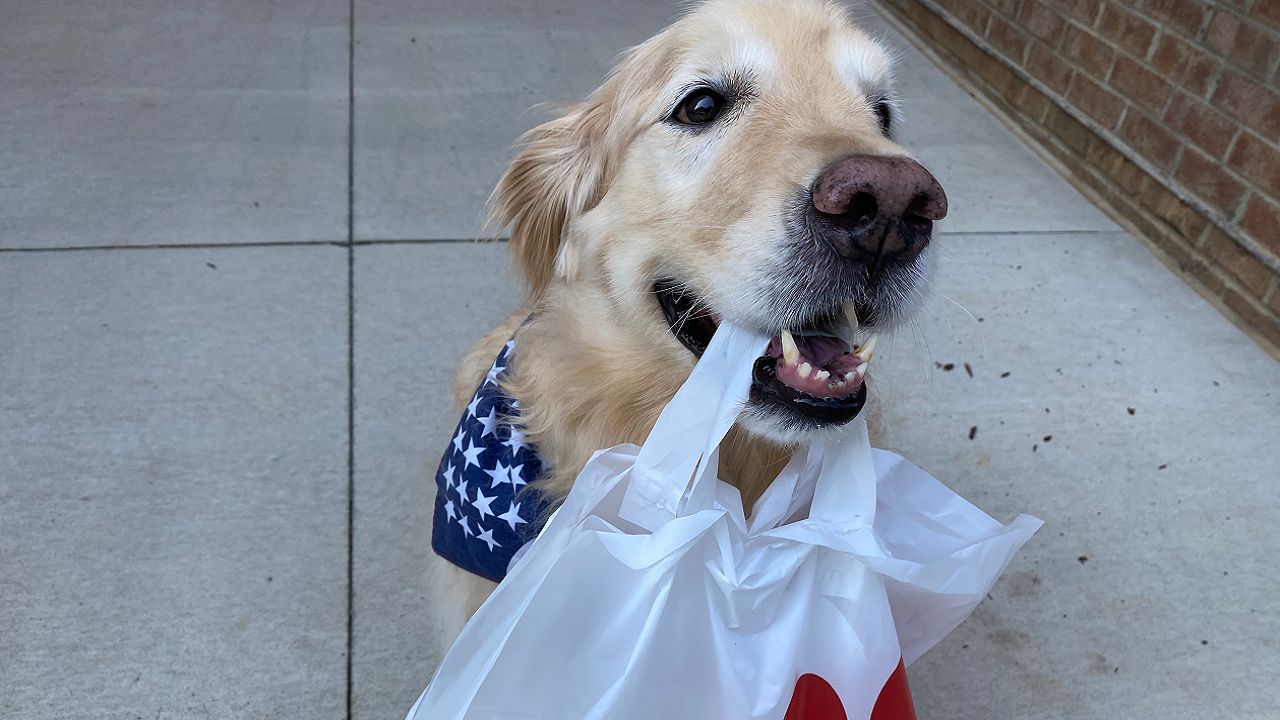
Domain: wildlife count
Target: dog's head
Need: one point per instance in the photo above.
(740, 165)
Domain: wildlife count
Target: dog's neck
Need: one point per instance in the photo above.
(586, 378)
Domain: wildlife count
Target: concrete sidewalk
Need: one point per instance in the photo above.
(219, 404)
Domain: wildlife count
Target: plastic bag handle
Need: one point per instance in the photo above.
(686, 435)
(845, 492)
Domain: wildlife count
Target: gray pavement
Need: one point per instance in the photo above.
(176, 422)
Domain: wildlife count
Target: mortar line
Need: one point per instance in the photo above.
(351, 351)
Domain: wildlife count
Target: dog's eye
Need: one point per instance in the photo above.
(699, 108)
(884, 112)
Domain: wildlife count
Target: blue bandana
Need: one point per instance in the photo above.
(482, 517)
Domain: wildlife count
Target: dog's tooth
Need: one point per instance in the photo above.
(851, 314)
(804, 369)
(822, 375)
(790, 353)
(849, 375)
(866, 350)
(861, 370)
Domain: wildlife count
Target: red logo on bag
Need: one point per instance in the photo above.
(815, 699)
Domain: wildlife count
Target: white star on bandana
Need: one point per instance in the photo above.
(512, 516)
(482, 503)
(487, 538)
(500, 474)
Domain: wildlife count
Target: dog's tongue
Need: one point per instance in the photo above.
(824, 366)
(821, 349)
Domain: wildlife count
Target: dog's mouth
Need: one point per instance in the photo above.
(815, 374)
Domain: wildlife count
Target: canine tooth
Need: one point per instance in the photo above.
(849, 375)
(804, 369)
(822, 375)
(865, 351)
(851, 314)
(790, 353)
(861, 370)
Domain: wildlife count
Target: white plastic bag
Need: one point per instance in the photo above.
(649, 596)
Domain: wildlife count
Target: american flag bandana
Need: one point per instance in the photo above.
(484, 512)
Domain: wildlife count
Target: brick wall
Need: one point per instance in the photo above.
(1168, 111)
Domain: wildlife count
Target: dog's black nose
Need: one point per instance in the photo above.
(873, 207)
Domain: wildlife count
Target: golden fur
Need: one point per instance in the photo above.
(607, 196)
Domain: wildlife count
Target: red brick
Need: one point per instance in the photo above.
(1208, 179)
(1130, 31)
(1096, 101)
(1242, 42)
(1185, 15)
(1151, 140)
(1267, 12)
(1085, 11)
(1201, 124)
(971, 13)
(1257, 161)
(1187, 65)
(1257, 105)
(1008, 38)
(1047, 67)
(1261, 222)
(1238, 262)
(1088, 51)
(1140, 84)
(1043, 22)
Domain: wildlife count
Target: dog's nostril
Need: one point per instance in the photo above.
(926, 206)
(862, 208)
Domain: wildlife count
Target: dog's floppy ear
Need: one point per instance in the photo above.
(559, 172)
(564, 166)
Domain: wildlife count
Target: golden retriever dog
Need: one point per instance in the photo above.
(740, 165)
